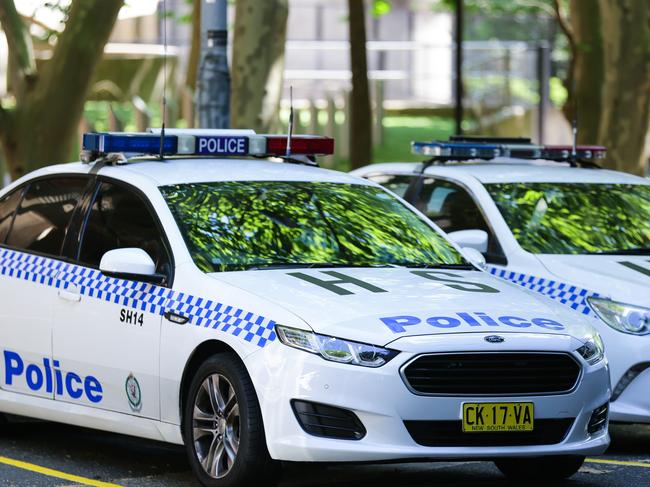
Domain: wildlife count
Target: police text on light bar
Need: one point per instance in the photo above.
(204, 143)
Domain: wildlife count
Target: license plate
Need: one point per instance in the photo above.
(503, 417)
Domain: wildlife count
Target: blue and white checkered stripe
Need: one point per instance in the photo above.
(228, 319)
(572, 296)
(140, 296)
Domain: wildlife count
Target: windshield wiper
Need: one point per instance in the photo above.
(461, 267)
(313, 265)
(636, 251)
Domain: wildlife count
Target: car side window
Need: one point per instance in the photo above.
(452, 208)
(396, 183)
(42, 219)
(8, 206)
(449, 206)
(119, 218)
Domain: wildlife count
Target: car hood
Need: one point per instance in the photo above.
(381, 305)
(622, 278)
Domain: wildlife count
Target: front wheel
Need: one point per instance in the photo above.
(540, 469)
(224, 434)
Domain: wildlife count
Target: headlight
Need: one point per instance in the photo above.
(593, 351)
(335, 349)
(627, 318)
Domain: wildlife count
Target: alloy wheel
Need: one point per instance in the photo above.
(216, 425)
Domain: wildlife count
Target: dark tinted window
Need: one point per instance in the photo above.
(118, 219)
(8, 206)
(449, 206)
(398, 184)
(452, 208)
(235, 225)
(44, 214)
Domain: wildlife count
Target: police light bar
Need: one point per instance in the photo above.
(486, 148)
(209, 143)
(563, 152)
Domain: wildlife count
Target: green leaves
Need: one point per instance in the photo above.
(380, 7)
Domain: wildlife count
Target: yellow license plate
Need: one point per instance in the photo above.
(504, 417)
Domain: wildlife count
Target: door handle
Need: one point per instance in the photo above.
(70, 294)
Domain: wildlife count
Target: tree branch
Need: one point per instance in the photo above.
(564, 24)
(3, 119)
(66, 78)
(32, 20)
(20, 46)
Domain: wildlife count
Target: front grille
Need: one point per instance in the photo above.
(328, 421)
(450, 433)
(492, 374)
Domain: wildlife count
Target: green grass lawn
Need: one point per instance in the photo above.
(399, 132)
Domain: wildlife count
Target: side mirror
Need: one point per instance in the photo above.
(475, 257)
(131, 264)
(474, 239)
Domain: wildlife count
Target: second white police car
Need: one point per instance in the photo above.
(561, 227)
(259, 312)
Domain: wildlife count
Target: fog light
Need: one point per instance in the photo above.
(598, 419)
(328, 421)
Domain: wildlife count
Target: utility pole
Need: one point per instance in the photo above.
(213, 83)
(458, 67)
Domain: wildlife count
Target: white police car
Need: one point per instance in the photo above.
(259, 311)
(580, 235)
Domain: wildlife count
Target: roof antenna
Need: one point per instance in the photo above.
(164, 93)
(574, 124)
(290, 121)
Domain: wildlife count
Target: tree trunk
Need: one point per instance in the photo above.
(195, 47)
(360, 114)
(41, 129)
(257, 72)
(588, 68)
(626, 89)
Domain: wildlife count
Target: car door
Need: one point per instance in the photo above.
(108, 329)
(34, 220)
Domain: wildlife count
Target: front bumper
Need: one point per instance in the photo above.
(627, 353)
(381, 400)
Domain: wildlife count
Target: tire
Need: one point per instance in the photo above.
(226, 447)
(540, 469)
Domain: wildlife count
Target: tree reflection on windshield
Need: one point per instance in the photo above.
(575, 218)
(234, 225)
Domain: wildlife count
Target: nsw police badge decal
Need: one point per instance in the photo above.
(133, 394)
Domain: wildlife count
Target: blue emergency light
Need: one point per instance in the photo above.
(486, 148)
(208, 143)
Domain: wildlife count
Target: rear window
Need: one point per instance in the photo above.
(8, 206)
(42, 219)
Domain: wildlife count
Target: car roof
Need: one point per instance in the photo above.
(176, 170)
(506, 170)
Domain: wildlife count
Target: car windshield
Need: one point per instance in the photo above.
(239, 225)
(576, 218)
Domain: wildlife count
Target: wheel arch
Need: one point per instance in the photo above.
(202, 352)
